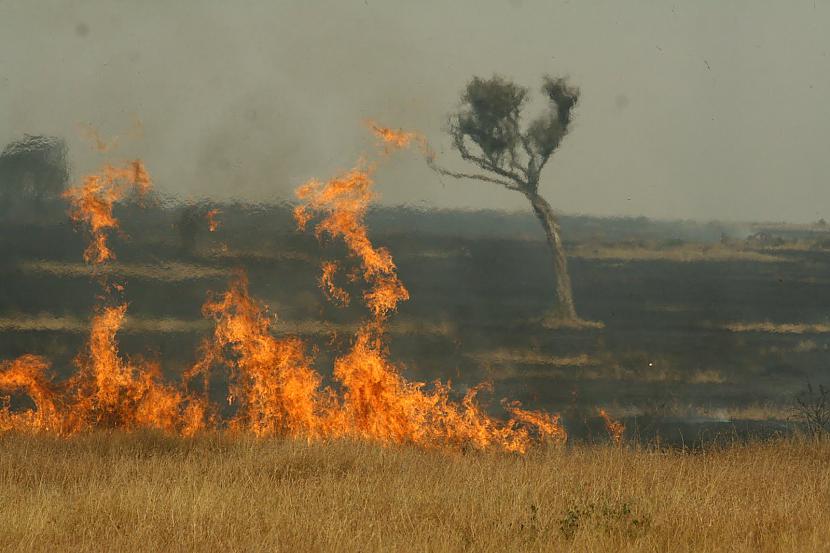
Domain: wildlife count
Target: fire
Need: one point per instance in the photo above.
(28, 374)
(614, 427)
(549, 426)
(393, 139)
(273, 387)
(92, 201)
(272, 384)
(213, 221)
(396, 139)
(107, 390)
(111, 392)
(276, 392)
(332, 291)
(377, 402)
(344, 201)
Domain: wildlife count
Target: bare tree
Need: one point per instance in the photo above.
(812, 410)
(487, 132)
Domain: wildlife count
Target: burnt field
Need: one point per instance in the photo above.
(704, 331)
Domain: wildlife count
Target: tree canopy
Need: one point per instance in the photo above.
(487, 130)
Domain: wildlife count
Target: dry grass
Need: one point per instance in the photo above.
(508, 364)
(778, 328)
(152, 493)
(170, 272)
(78, 325)
(48, 321)
(686, 253)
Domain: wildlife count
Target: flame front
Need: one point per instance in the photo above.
(273, 388)
(106, 391)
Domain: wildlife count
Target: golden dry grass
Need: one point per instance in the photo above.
(148, 492)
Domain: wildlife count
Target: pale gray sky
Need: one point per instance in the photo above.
(689, 110)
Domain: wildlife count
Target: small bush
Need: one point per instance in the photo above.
(812, 410)
(610, 517)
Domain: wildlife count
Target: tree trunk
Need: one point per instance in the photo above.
(564, 295)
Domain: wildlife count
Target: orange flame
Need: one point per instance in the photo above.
(113, 393)
(28, 374)
(271, 380)
(92, 201)
(107, 391)
(213, 222)
(614, 427)
(397, 139)
(273, 388)
(344, 201)
(380, 404)
(333, 292)
(377, 401)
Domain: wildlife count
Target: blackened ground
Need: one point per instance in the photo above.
(665, 360)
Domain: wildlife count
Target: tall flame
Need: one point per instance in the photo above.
(377, 402)
(111, 392)
(107, 391)
(272, 383)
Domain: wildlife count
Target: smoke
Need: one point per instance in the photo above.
(250, 102)
(241, 104)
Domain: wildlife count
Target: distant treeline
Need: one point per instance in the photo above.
(34, 172)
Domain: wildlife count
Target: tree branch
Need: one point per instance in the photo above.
(542, 164)
(486, 164)
(473, 176)
(514, 154)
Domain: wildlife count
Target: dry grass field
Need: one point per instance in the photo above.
(148, 492)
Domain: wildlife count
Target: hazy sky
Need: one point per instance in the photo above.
(695, 110)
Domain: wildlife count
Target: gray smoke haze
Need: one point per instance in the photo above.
(696, 110)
